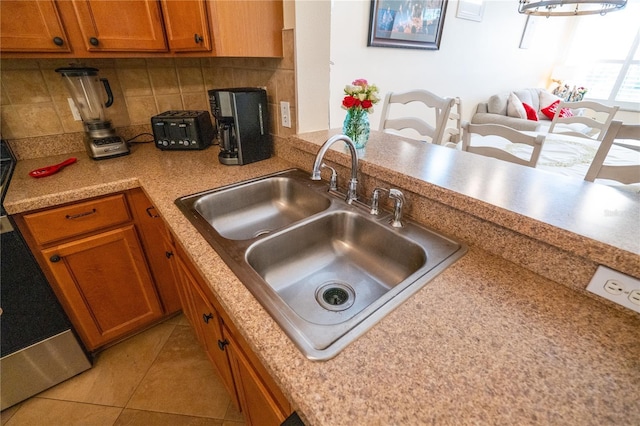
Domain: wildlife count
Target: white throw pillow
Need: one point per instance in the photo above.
(546, 99)
(515, 107)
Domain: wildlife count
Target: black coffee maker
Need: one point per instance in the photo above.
(242, 119)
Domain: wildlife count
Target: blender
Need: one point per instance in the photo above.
(101, 140)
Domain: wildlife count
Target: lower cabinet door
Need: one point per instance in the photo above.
(213, 340)
(206, 324)
(106, 285)
(258, 404)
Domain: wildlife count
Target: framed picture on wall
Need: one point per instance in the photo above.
(411, 24)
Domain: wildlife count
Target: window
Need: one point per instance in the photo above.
(605, 52)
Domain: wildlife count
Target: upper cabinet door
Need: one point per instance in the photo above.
(110, 26)
(249, 28)
(31, 26)
(186, 25)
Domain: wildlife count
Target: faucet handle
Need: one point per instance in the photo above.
(398, 196)
(375, 200)
(333, 182)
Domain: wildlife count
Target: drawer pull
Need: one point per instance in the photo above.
(154, 214)
(58, 41)
(222, 344)
(168, 254)
(94, 41)
(207, 317)
(198, 38)
(79, 215)
(55, 258)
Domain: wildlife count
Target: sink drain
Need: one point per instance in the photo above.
(335, 296)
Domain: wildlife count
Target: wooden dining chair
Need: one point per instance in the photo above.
(453, 126)
(623, 173)
(437, 107)
(504, 132)
(595, 115)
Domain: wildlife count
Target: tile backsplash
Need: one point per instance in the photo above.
(33, 98)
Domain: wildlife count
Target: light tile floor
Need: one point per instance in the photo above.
(156, 378)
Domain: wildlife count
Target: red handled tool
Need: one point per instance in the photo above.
(49, 170)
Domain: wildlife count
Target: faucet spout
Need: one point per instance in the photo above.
(353, 183)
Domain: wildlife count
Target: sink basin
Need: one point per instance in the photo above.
(331, 268)
(250, 210)
(325, 270)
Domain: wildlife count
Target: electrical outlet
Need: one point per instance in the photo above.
(617, 287)
(285, 114)
(74, 110)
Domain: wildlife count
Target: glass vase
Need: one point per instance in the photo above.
(356, 126)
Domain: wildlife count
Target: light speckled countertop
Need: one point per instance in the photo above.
(486, 342)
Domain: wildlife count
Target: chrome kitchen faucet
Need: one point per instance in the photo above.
(353, 183)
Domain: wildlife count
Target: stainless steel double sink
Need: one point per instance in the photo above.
(326, 271)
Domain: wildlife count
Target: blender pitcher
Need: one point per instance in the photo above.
(85, 88)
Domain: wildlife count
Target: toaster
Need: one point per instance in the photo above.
(182, 130)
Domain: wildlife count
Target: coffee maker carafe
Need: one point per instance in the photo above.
(101, 140)
(242, 119)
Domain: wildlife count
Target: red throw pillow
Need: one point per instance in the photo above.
(550, 111)
(531, 113)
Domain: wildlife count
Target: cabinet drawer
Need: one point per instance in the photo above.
(64, 222)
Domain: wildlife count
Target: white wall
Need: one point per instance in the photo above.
(312, 35)
(475, 59)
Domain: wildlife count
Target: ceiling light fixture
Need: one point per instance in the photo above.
(569, 7)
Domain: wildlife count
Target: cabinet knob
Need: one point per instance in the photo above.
(55, 258)
(168, 254)
(198, 38)
(94, 41)
(58, 41)
(222, 344)
(207, 317)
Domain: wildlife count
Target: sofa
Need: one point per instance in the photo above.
(509, 110)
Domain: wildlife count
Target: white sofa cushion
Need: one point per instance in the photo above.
(515, 107)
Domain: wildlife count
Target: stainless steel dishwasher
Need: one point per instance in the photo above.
(38, 348)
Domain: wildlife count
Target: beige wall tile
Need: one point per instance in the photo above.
(218, 78)
(32, 120)
(169, 102)
(161, 63)
(135, 81)
(196, 101)
(188, 62)
(4, 99)
(164, 81)
(288, 50)
(191, 79)
(25, 86)
(19, 64)
(286, 82)
(141, 88)
(141, 109)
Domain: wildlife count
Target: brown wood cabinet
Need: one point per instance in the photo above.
(248, 382)
(103, 28)
(92, 255)
(157, 247)
(187, 25)
(108, 26)
(32, 26)
(207, 324)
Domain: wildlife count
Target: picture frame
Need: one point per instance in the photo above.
(409, 24)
